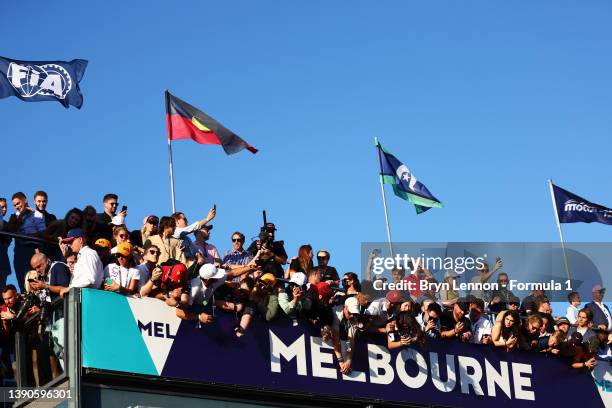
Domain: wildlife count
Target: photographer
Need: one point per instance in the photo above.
(403, 331)
(265, 296)
(272, 253)
(53, 276)
(293, 301)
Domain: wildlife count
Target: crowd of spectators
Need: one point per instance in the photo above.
(172, 260)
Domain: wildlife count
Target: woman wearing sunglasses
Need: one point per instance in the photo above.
(121, 276)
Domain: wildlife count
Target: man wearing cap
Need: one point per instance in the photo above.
(150, 227)
(563, 324)
(382, 310)
(202, 290)
(293, 300)
(103, 248)
(88, 270)
(277, 256)
(208, 251)
(329, 274)
(265, 296)
(346, 333)
(320, 311)
(183, 229)
(455, 324)
(601, 314)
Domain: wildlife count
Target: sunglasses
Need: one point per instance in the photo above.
(154, 252)
(123, 236)
(321, 257)
(236, 240)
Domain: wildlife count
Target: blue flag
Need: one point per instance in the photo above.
(35, 81)
(404, 183)
(572, 208)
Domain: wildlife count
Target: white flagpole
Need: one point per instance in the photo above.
(384, 198)
(167, 96)
(554, 203)
(171, 175)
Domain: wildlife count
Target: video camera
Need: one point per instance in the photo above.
(31, 299)
(266, 239)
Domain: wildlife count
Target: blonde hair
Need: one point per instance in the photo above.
(30, 275)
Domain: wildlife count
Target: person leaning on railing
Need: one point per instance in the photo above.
(88, 271)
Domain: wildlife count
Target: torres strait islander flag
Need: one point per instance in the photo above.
(404, 183)
(187, 122)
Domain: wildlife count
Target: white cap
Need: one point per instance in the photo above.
(352, 304)
(210, 271)
(298, 278)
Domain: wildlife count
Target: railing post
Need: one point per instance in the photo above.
(73, 346)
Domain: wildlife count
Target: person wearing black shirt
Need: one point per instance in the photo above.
(329, 274)
(455, 324)
(104, 229)
(272, 259)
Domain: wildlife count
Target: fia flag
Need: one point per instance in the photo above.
(404, 183)
(35, 81)
(188, 122)
(573, 208)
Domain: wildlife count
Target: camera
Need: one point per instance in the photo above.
(30, 300)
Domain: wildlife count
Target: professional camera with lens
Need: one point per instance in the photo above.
(30, 300)
(359, 321)
(265, 240)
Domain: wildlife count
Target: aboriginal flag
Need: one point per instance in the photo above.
(187, 122)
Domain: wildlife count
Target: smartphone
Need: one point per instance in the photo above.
(124, 208)
(215, 207)
(32, 280)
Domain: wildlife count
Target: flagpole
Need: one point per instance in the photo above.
(169, 124)
(384, 198)
(554, 203)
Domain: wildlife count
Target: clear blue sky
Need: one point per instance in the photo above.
(482, 100)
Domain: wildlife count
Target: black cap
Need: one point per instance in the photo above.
(270, 226)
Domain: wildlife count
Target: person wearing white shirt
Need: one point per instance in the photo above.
(183, 230)
(122, 277)
(88, 270)
(481, 325)
(573, 309)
